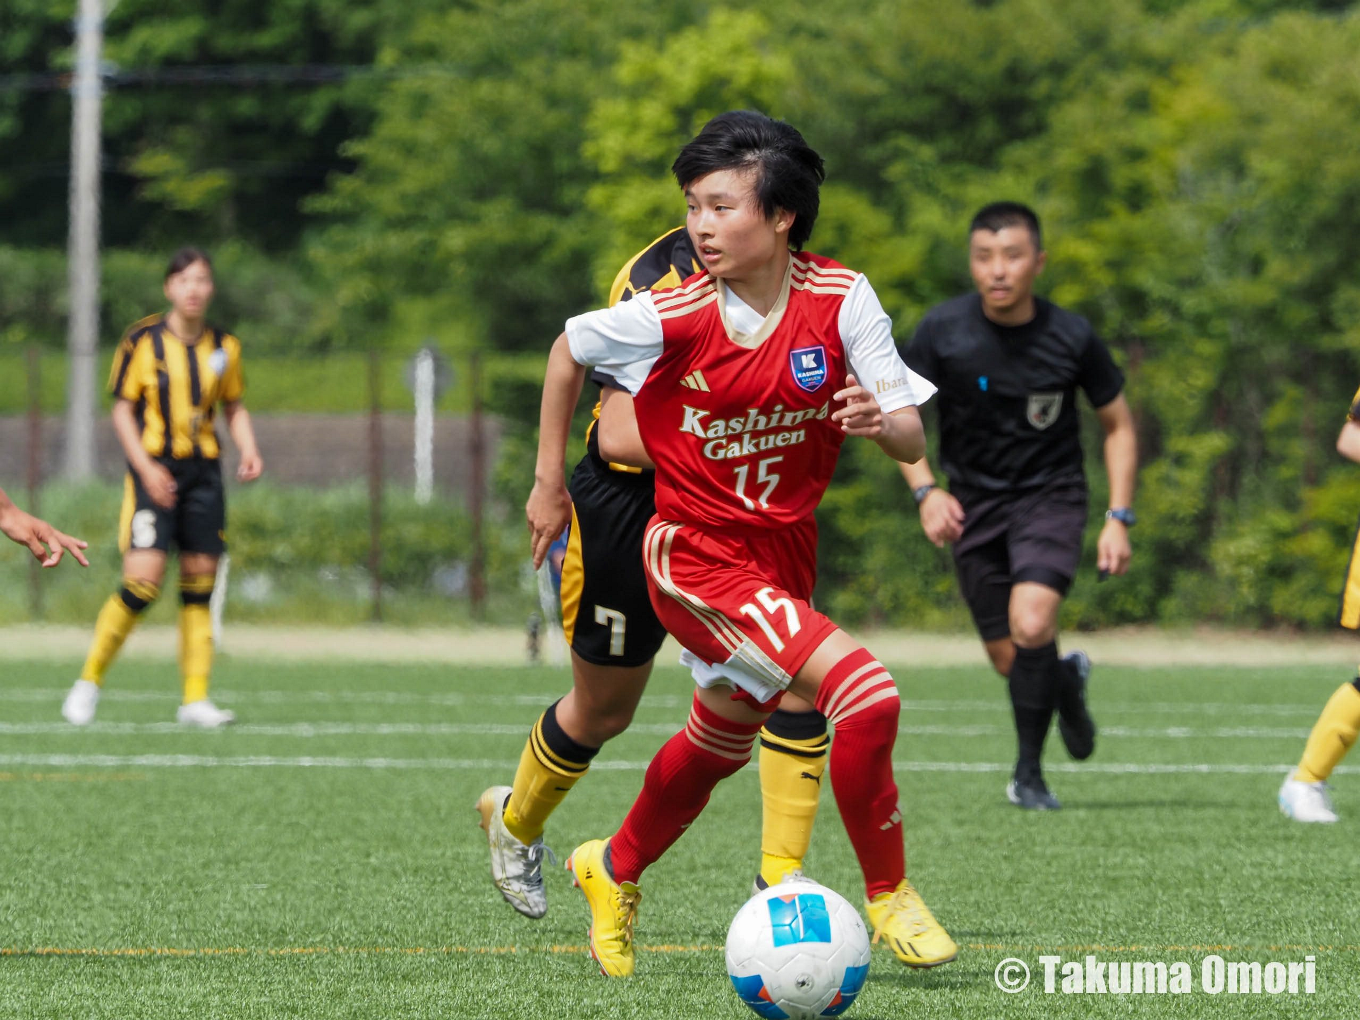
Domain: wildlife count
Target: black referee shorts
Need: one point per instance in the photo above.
(607, 615)
(1009, 537)
(195, 524)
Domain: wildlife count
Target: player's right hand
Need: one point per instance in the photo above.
(160, 485)
(941, 517)
(547, 512)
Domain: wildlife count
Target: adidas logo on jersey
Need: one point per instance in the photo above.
(696, 381)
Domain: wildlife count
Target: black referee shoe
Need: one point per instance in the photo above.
(1075, 725)
(1031, 793)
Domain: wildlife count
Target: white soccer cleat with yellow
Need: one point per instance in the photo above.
(204, 714)
(613, 909)
(1306, 802)
(516, 868)
(903, 921)
(78, 708)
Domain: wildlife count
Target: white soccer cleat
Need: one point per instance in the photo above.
(1306, 802)
(516, 868)
(78, 708)
(205, 714)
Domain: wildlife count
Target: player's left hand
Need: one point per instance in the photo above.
(547, 513)
(251, 466)
(45, 542)
(1113, 550)
(861, 415)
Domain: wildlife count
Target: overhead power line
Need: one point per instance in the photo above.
(237, 75)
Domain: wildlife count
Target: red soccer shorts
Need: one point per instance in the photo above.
(738, 600)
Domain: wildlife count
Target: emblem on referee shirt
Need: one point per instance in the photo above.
(809, 367)
(1043, 409)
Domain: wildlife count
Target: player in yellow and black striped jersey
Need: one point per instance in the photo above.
(169, 374)
(614, 636)
(1303, 796)
(612, 502)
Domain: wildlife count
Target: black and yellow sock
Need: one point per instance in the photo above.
(115, 623)
(1033, 692)
(1333, 734)
(793, 753)
(195, 635)
(548, 768)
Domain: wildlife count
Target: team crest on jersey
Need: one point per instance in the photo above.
(217, 361)
(1043, 409)
(809, 367)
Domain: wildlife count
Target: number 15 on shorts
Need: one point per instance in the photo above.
(772, 606)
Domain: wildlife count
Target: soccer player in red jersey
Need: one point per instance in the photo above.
(746, 380)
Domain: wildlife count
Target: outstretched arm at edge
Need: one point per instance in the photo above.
(548, 510)
(45, 542)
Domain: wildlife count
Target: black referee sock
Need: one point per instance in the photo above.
(1032, 688)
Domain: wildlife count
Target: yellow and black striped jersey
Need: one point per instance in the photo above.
(1354, 413)
(666, 262)
(176, 385)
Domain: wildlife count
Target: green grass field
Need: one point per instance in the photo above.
(321, 859)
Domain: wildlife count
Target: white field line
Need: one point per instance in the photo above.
(505, 765)
(306, 730)
(904, 651)
(652, 701)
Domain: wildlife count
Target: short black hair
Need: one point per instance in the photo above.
(186, 257)
(789, 173)
(999, 215)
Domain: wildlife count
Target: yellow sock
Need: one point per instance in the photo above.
(1333, 735)
(549, 767)
(115, 623)
(791, 768)
(195, 635)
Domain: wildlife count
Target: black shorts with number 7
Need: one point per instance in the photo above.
(607, 615)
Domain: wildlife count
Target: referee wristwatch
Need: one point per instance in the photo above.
(922, 491)
(1123, 514)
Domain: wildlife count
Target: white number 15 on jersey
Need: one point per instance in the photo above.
(763, 474)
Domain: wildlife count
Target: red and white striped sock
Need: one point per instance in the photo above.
(860, 699)
(678, 783)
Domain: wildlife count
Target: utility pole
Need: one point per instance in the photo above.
(82, 336)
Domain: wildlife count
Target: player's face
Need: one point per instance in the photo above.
(190, 291)
(1004, 264)
(730, 232)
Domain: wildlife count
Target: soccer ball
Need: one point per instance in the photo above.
(797, 950)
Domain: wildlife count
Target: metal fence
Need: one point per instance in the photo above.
(393, 487)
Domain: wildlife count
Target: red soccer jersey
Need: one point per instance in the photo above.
(743, 434)
(739, 424)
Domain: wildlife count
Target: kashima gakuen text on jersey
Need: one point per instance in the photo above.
(721, 430)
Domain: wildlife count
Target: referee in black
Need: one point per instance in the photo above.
(1008, 366)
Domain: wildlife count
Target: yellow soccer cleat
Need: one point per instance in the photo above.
(613, 909)
(905, 923)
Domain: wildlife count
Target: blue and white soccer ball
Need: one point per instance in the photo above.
(797, 950)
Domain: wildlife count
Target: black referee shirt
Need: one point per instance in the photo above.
(1007, 394)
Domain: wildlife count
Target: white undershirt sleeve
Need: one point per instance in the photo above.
(866, 332)
(623, 340)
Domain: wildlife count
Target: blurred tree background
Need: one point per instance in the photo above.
(374, 172)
